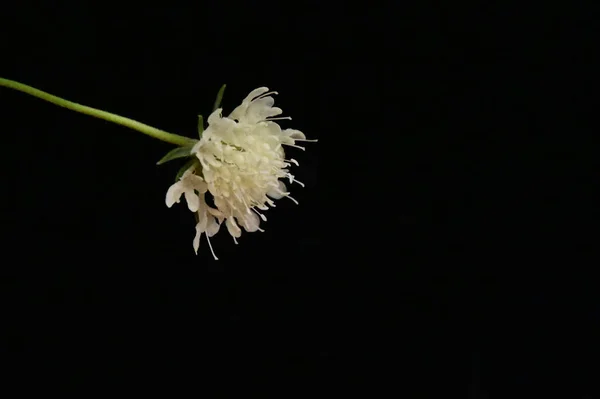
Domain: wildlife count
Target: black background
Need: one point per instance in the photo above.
(444, 241)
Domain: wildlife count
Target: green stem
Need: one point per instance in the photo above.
(130, 123)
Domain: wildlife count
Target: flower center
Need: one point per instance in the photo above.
(240, 175)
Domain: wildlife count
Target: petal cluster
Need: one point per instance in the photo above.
(193, 188)
(242, 161)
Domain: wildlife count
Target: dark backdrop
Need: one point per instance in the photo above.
(444, 240)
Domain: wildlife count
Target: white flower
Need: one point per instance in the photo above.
(242, 160)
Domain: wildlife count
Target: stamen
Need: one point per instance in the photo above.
(211, 248)
(264, 95)
(299, 182)
(263, 217)
(296, 146)
(292, 199)
(244, 200)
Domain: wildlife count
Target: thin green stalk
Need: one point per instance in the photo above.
(130, 123)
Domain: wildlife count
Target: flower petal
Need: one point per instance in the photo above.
(215, 212)
(213, 227)
(255, 93)
(264, 102)
(240, 111)
(197, 239)
(251, 222)
(277, 192)
(198, 183)
(173, 194)
(262, 109)
(192, 200)
(202, 221)
(294, 134)
(215, 116)
(232, 227)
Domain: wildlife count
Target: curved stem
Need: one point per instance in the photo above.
(130, 123)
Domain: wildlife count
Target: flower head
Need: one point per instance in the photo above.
(242, 161)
